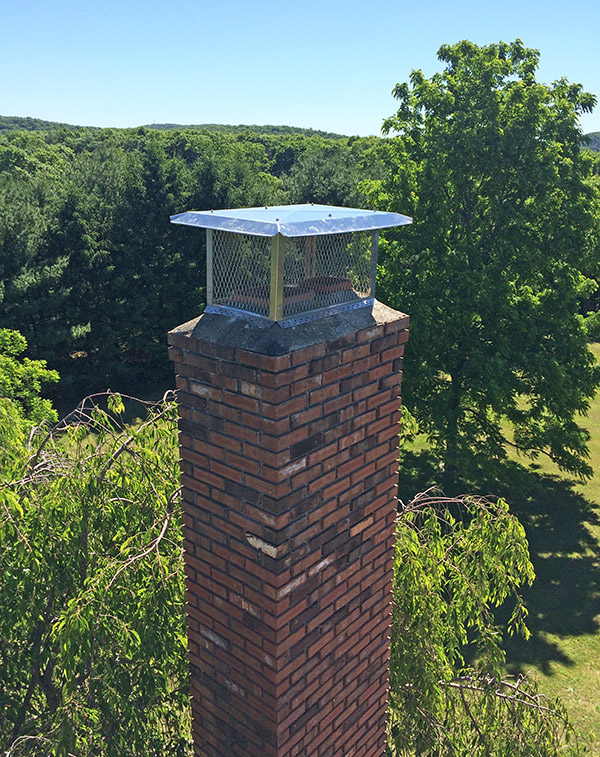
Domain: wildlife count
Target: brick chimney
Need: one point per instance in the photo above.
(288, 443)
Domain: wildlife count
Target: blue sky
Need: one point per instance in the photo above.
(328, 64)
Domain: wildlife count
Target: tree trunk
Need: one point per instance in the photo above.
(451, 457)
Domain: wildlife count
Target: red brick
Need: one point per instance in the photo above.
(365, 419)
(267, 425)
(318, 396)
(243, 434)
(244, 464)
(388, 410)
(366, 391)
(337, 374)
(306, 476)
(195, 485)
(352, 465)
(399, 324)
(240, 401)
(266, 362)
(369, 366)
(336, 488)
(221, 440)
(282, 378)
(363, 472)
(331, 462)
(338, 516)
(353, 438)
(306, 416)
(284, 409)
(355, 353)
(275, 459)
(225, 471)
(392, 354)
(389, 458)
(306, 385)
(381, 397)
(323, 453)
(352, 411)
(343, 400)
(308, 354)
(201, 461)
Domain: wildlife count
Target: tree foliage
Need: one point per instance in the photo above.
(456, 560)
(93, 648)
(93, 274)
(488, 161)
(21, 379)
(329, 173)
(93, 652)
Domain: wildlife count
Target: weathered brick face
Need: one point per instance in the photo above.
(289, 467)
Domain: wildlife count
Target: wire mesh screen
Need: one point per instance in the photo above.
(327, 270)
(242, 271)
(318, 271)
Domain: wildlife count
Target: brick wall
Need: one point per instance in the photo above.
(289, 467)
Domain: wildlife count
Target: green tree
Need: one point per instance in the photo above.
(329, 172)
(456, 561)
(37, 238)
(488, 161)
(93, 647)
(21, 379)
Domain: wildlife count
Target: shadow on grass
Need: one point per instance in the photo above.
(565, 597)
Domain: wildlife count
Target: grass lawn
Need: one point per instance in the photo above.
(562, 519)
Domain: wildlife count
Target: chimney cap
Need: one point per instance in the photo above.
(292, 220)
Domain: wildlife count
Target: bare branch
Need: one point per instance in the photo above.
(473, 684)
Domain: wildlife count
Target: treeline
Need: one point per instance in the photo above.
(26, 123)
(593, 141)
(92, 272)
(252, 128)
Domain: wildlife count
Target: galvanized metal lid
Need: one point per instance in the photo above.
(292, 220)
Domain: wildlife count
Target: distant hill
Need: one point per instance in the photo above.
(254, 128)
(594, 141)
(13, 123)
(25, 123)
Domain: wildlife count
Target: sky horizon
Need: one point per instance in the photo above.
(328, 66)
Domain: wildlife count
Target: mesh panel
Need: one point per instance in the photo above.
(318, 271)
(242, 271)
(326, 270)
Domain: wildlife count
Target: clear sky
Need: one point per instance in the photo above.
(324, 64)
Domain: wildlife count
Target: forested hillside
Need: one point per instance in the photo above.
(593, 140)
(26, 123)
(252, 128)
(11, 123)
(93, 274)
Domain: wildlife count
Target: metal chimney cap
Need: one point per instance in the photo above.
(292, 220)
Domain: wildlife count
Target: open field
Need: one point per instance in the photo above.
(562, 519)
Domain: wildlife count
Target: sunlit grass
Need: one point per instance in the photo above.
(566, 621)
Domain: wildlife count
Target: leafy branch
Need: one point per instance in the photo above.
(458, 560)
